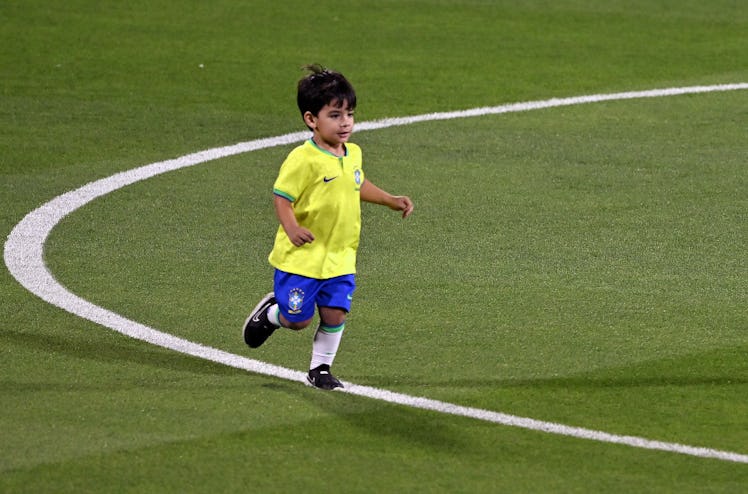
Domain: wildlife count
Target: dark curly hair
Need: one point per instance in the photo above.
(322, 87)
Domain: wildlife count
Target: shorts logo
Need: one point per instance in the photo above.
(295, 300)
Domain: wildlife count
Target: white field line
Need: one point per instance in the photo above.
(24, 257)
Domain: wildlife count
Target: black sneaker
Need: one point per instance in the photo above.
(320, 377)
(257, 328)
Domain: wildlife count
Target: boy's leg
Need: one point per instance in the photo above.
(290, 310)
(325, 346)
(334, 301)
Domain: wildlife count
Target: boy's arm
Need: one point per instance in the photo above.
(372, 193)
(284, 211)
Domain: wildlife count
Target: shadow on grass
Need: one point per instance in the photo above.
(378, 419)
(100, 349)
(720, 367)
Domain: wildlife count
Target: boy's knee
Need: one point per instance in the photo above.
(331, 316)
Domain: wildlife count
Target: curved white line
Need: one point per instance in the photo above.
(25, 261)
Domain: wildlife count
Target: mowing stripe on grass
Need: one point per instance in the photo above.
(24, 257)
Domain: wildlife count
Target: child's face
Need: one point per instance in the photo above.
(333, 125)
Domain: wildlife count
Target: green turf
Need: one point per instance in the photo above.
(583, 265)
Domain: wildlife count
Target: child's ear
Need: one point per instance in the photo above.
(310, 120)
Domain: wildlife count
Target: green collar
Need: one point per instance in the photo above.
(328, 152)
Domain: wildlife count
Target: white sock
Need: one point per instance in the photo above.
(325, 346)
(274, 314)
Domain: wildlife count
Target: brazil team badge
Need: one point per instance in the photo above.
(295, 300)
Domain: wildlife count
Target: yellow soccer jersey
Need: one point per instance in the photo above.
(325, 192)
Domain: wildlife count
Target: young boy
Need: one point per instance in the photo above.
(317, 199)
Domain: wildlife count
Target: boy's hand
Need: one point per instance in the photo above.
(402, 203)
(372, 193)
(299, 235)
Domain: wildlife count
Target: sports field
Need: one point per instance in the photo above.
(565, 311)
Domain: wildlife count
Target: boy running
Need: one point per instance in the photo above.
(317, 199)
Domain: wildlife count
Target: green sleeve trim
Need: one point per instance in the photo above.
(284, 195)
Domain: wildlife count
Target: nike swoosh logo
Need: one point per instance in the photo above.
(325, 179)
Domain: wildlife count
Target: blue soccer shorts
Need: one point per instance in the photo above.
(297, 296)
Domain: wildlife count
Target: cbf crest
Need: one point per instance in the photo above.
(295, 300)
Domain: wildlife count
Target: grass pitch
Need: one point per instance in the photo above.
(582, 265)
